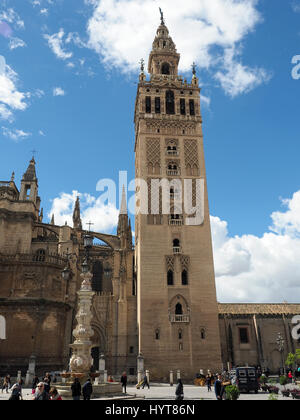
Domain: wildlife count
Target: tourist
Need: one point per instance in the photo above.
(179, 390)
(290, 377)
(34, 384)
(6, 383)
(219, 389)
(208, 383)
(124, 381)
(47, 382)
(40, 393)
(145, 382)
(87, 390)
(76, 389)
(16, 391)
(54, 395)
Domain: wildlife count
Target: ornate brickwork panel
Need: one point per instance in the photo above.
(171, 127)
(153, 156)
(191, 157)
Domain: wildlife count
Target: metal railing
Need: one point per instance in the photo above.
(179, 318)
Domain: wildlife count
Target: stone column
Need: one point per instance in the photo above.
(81, 359)
(140, 366)
(171, 378)
(178, 374)
(105, 377)
(102, 368)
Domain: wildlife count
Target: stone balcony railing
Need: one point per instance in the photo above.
(173, 172)
(179, 318)
(175, 222)
(52, 259)
(176, 250)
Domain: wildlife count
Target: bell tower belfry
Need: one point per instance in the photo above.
(176, 295)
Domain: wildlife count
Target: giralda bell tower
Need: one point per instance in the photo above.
(177, 307)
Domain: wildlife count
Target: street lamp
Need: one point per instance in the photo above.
(280, 343)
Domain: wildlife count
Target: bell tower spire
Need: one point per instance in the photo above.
(164, 58)
(76, 215)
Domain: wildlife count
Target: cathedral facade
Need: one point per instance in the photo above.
(154, 301)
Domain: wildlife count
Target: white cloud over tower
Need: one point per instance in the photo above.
(208, 32)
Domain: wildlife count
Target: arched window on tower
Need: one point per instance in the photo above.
(170, 102)
(170, 278)
(178, 309)
(165, 68)
(184, 278)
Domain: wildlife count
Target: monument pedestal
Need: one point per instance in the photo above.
(99, 391)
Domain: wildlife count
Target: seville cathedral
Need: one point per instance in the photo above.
(155, 300)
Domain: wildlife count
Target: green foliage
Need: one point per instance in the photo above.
(232, 392)
(272, 381)
(273, 397)
(283, 380)
(291, 359)
(263, 380)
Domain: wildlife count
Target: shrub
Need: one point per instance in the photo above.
(283, 380)
(232, 392)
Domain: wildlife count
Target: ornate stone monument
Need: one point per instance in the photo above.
(81, 360)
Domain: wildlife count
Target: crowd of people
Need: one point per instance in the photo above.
(45, 390)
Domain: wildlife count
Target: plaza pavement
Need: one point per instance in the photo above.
(165, 392)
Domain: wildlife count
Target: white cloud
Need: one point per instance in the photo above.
(296, 6)
(16, 43)
(10, 98)
(237, 78)
(11, 16)
(260, 269)
(15, 134)
(122, 32)
(58, 91)
(105, 218)
(41, 133)
(44, 12)
(56, 44)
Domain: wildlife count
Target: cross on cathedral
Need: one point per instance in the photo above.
(89, 225)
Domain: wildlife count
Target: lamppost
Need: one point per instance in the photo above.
(280, 343)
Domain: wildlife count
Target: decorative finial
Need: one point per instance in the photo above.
(12, 177)
(194, 68)
(162, 17)
(142, 63)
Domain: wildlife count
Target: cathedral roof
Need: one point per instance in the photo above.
(258, 308)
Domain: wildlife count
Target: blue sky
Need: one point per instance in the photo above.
(68, 92)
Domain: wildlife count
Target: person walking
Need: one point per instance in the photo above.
(124, 381)
(6, 383)
(16, 392)
(54, 395)
(76, 389)
(208, 383)
(179, 390)
(145, 382)
(219, 388)
(40, 393)
(87, 390)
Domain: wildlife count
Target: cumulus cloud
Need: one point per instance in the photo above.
(16, 43)
(11, 98)
(260, 269)
(15, 134)
(104, 217)
(9, 15)
(58, 91)
(236, 78)
(121, 32)
(56, 44)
